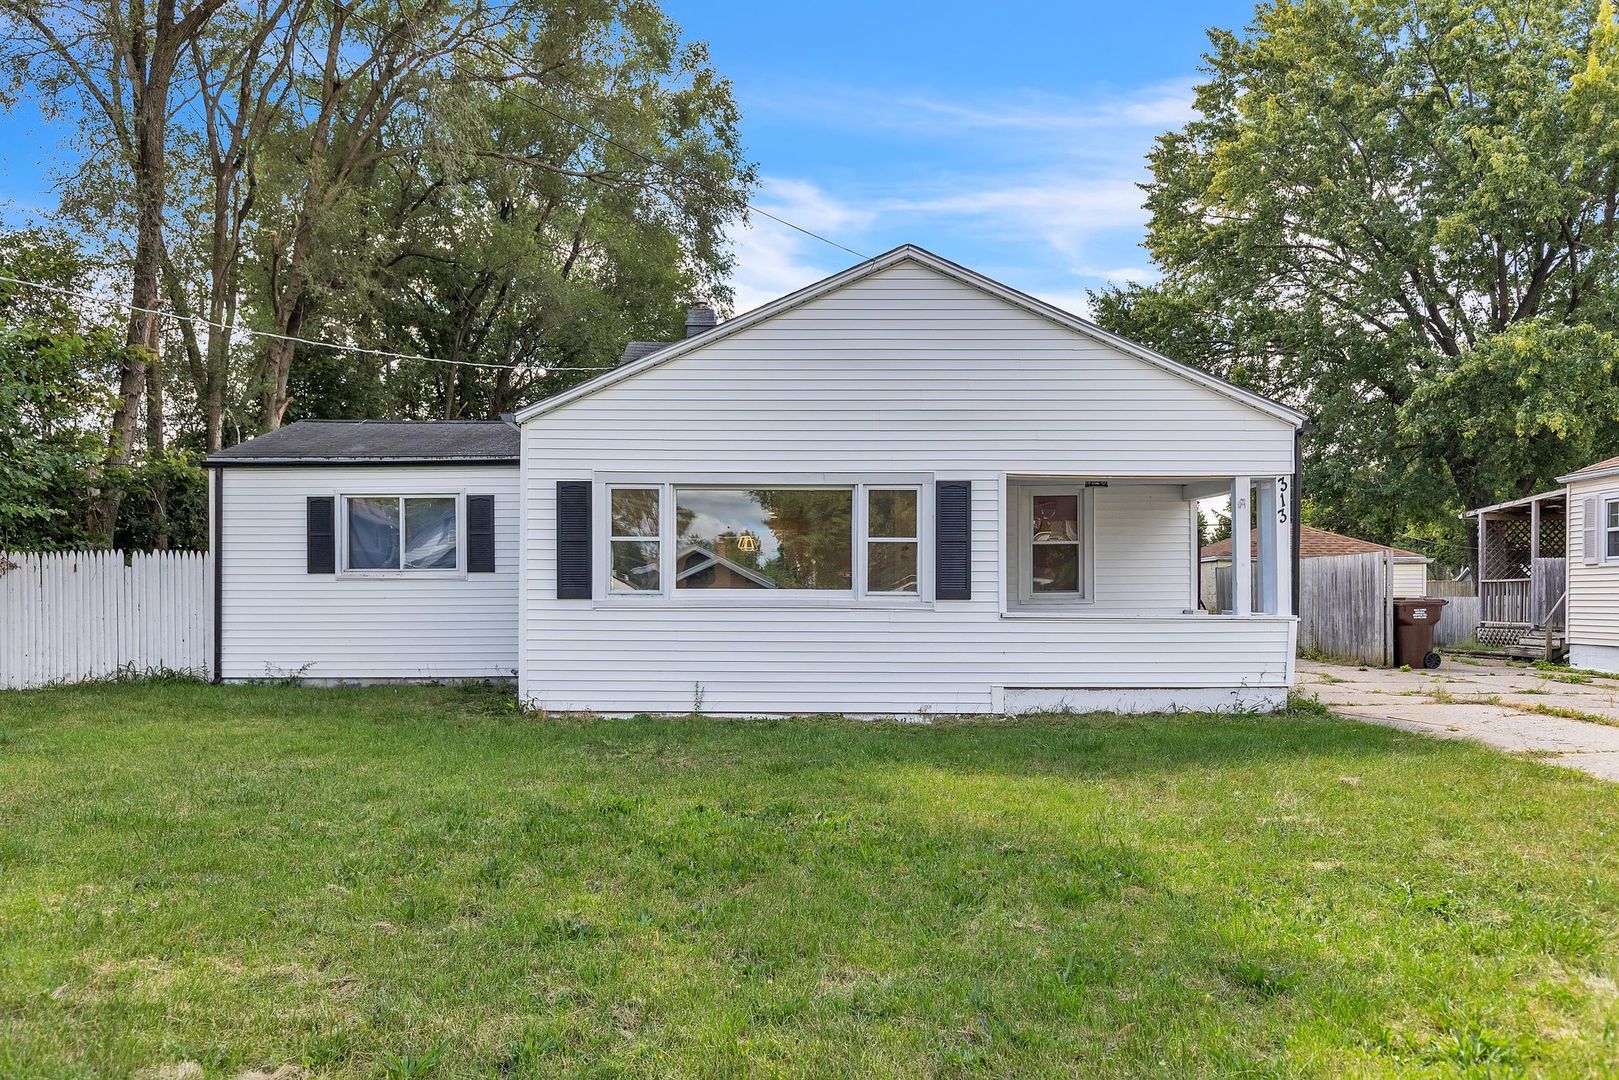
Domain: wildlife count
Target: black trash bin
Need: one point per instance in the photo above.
(1415, 619)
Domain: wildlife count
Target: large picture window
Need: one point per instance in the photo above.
(764, 538)
(808, 543)
(402, 532)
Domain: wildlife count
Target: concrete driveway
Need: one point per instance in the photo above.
(1564, 718)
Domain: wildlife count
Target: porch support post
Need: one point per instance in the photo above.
(1242, 574)
(1265, 522)
(1534, 535)
(1282, 522)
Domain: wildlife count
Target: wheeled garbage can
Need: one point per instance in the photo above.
(1415, 619)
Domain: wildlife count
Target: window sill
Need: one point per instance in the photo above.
(772, 603)
(400, 575)
(1138, 616)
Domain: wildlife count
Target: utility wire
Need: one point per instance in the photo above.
(608, 140)
(198, 320)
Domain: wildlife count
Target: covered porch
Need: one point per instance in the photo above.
(1521, 569)
(1123, 545)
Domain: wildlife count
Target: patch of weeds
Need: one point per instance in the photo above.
(1080, 970)
(1405, 667)
(1300, 707)
(1095, 873)
(1472, 1047)
(568, 928)
(1445, 906)
(1566, 713)
(409, 1064)
(524, 1056)
(1258, 979)
(1328, 678)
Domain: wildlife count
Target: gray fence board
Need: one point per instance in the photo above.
(1344, 606)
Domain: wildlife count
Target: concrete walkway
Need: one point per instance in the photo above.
(1510, 707)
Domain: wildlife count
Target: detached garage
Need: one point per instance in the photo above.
(367, 550)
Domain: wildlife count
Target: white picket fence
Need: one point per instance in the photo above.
(76, 615)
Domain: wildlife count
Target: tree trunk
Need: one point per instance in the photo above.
(151, 109)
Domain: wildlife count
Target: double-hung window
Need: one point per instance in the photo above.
(893, 539)
(635, 537)
(791, 540)
(403, 533)
(1051, 544)
(1610, 529)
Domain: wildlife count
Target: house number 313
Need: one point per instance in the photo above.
(1281, 500)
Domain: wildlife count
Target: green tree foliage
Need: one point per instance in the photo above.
(516, 186)
(58, 371)
(1401, 218)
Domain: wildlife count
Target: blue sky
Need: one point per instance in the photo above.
(1007, 136)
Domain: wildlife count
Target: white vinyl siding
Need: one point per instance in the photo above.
(906, 370)
(1593, 588)
(278, 620)
(1410, 579)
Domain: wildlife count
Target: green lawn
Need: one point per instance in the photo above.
(422, 882)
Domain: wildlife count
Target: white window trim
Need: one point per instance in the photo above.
(1606, 530)
(1021, 502)
(607, 529)
(858, 596)
(460, 570)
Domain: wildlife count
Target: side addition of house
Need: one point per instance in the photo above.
(906, 489)
(368, 551)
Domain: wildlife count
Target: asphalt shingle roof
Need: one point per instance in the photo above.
(313, 442)
(637, 349)
(1313, 543)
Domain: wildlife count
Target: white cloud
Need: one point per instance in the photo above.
(1043, 186)
(1061, 211)
(1156, 107)
(773, 259)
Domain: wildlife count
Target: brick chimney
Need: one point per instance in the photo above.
(700, 317)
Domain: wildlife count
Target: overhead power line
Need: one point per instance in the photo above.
(608, 140)
(198, 320)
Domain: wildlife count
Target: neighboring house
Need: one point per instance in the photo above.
(962, 500)
(1549, 569)
(1592, 582)
(367, 550)
(904, 490)
(1410, 569)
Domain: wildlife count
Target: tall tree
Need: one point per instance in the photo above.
(117, 61)
(1380, 199)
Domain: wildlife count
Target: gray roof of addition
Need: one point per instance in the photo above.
(347, 442)
(637, 349)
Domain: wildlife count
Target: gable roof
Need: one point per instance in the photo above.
(910, 252)
(1595, 471)
(328, 442)
(1313, 543)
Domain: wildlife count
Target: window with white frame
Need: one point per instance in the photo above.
(1610, 529)
(893, 539)
(796, 539)
(1051, 543)
(402, 533)
(635, 536)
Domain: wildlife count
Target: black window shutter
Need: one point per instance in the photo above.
(320, 535)
(953, 539)
(480, 534)
(573, 540)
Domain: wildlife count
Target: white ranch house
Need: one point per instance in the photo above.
(904, 490)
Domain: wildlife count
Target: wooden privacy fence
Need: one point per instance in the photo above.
(1459, 621)
(76, 615)
(1346, 606)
